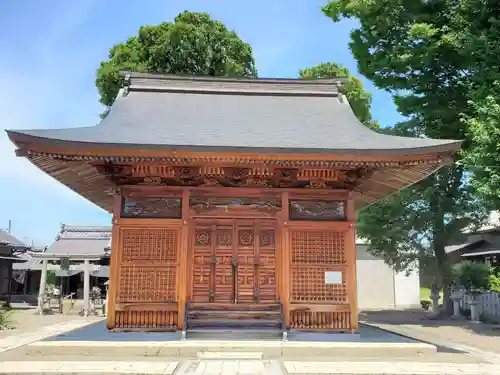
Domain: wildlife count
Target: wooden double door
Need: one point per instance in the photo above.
(234, 261)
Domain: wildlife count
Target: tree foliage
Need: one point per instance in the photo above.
(193, 44)
(472, 275)
(482, 33)
(417, 223)
(408, 49)
(419, 52)
(353, 89)
(484, 156)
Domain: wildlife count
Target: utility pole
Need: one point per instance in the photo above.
(10, 226)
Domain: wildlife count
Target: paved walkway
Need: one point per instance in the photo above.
(247, 367)
(31, 327)
(481, 340)
(28, 321)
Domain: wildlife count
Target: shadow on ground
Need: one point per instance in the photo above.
(424, 319)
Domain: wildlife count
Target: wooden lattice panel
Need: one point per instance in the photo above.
(308, 284)
(313, 254)
(321, 320)
(146, 319)
(246, 283)
(148, 265)
(224, 283)
(246, 264)
(147, 284)
(318, 248)
(267, 265)
(202, 272)
(153, 245)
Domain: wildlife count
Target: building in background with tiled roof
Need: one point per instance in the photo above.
(482, 244)
(73, 243)
(10, 247)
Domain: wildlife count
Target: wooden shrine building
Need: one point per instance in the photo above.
(231, 196)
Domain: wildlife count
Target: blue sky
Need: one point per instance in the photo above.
(52, 48)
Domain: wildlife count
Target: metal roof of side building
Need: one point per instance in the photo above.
(9, 240)
(223, 114)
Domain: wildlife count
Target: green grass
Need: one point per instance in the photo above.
(426, 292)
(6, 320)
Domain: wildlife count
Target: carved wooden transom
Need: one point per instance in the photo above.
(235, 176)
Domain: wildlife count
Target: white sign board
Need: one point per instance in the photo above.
(333, 277)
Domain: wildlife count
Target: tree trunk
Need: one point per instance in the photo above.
(440, 241)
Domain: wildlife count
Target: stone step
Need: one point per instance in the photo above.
(230, 355)
(234, 334)
(240, 314)
(269, 342)
(233, 323)
(235, 306)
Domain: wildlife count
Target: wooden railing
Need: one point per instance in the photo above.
(147, 316)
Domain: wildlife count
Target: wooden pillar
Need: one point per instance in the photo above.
(43, 284)
(351, 253)
(285, 258)
(182, 256)
(86, 287)
(26, 280)
(113, 264)
(9, 281)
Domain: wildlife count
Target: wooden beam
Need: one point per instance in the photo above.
(285, 257)
(182, 256)
(351, 255)
(114, 261)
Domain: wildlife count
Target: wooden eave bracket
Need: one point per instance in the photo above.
(22, 153)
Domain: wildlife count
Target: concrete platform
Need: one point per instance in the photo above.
(95, 341)
(245, 367)
(97, 332)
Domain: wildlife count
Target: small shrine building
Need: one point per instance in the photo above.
(231, 194)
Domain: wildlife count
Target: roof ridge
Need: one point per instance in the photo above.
(329, 87)
(85, 228)
(189, 77)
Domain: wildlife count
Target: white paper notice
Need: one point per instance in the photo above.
(333, 277)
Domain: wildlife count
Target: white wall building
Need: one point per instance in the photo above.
(380, 287)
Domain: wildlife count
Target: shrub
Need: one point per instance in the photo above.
(51, 278)
(6, 321)
(472, 275)
(494, 281)
(425, 304)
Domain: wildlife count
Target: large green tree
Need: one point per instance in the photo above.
(484, 156)
(359, 99)
(480, 36)
(193, 44)
(415, 50)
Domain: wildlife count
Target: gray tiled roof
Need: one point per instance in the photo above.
(81, 240)
(452, 248)
(29, 263)
(8, 239)
(212, 114)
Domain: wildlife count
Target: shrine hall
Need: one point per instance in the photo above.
(233, 199)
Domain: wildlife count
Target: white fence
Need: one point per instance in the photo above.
(489, 305)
